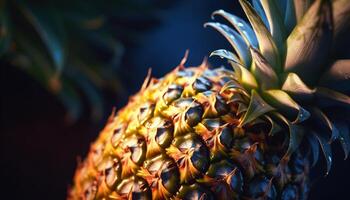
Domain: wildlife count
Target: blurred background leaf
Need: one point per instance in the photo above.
(74, 49)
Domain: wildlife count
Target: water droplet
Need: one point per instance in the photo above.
(303, 115)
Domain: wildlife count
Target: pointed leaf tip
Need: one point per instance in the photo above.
(223, 53)
(234, 39)
(322, 120)
(327, 98)
(260, 11)
(294, 86)
(337, 77)
(315, 148)
(327, 151)
(241, 26)
(344, 136)
(267, 45)
(274, 126)
(296, 134)
(285, 104)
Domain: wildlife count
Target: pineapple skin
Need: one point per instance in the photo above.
(178, 138)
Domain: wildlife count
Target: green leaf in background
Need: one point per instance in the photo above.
(49, 26)
(71, 101)
(73, 49)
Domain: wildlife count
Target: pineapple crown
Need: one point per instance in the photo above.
(285, 62)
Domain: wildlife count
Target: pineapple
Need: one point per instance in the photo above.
(253, 132)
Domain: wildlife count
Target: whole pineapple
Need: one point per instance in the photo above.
(248, 133)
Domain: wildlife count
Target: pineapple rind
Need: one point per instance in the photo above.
(188, 122)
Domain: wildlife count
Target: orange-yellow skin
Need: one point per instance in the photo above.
(128, 161)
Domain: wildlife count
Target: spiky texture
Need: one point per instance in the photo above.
(180, 138)
(248, 133)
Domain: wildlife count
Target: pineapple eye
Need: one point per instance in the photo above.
(164, 134)
(258, 155)
(97, 152)
(298, 164)
(201, 84)
(146, 112)
(226, 137)
(190, 150)
(134, 187)
(236, 182)
(137, 147)
(211, 124)
(183, 103)
(260, 187)
(162, 170)
(113, 174)
(170, 177)
(228, 173)
(90, 191)
(117, 135)
(199, 154)
(174, 92)
(194, 191)
(194, 115)
(199, 158)
(220, 106)
(290, 192)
